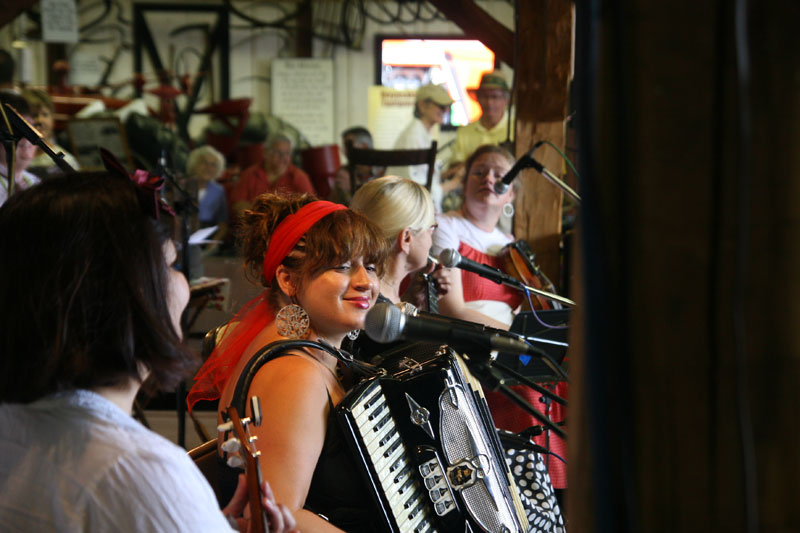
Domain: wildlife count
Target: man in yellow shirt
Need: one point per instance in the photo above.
(492, 126)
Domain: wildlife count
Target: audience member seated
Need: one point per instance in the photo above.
(432, 102)
(91, 314)
(24, 151)
(320, 265)
(275, 174)
(41, 106)
(361, 138)
(205, 165)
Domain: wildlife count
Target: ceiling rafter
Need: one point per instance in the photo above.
(478, 24)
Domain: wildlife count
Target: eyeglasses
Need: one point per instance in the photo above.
(430, 228)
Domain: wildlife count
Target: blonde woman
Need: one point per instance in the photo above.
(403, 210)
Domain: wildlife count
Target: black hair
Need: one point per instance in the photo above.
(83, 282)
(357, 131)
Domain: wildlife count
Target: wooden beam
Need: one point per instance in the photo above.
(542, 82)
(478, 24)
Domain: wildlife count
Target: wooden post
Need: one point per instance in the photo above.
(544, 47)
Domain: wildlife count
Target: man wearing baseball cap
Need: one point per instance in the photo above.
(492, 127)
(432, 102)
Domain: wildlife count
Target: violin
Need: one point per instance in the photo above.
(519, 261)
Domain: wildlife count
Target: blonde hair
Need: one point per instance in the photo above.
(394, 204)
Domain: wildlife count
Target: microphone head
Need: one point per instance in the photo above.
(384, 323)
(449, 258)
(500, 187)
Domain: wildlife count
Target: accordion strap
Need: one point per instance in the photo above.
(278, 348)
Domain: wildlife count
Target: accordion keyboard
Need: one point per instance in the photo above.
(407, 500)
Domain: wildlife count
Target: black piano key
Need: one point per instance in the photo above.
(387, 438)
(402, 473)
(377, 411)
(396, 464)
(403, 488)
(382, 422)
(392, 448)
(416, 509)
(377, 396)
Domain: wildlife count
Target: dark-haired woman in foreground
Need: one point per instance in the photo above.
(320, 265)
(90, 311)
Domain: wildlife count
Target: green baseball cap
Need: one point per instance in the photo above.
(493, 80)
(435, 93)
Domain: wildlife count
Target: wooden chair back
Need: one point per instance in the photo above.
(386, 158)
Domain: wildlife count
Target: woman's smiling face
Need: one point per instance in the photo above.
(338, 298)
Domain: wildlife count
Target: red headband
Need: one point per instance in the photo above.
(290, 230)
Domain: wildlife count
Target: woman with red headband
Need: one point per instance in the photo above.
(320, 265)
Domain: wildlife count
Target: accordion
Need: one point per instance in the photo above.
(428, 447)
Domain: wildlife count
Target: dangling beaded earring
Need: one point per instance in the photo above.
(353, 335)
(508, 209)
(292, 321)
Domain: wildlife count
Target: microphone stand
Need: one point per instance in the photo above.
(34, 137)
(525, 380)
(504, 279)
(481, 368)
(549, 295)
(527, 161)
(499, 277)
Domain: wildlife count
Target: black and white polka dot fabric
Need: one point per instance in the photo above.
(535, 490)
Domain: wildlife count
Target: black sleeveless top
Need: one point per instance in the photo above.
(337, 492)
(337, 489)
